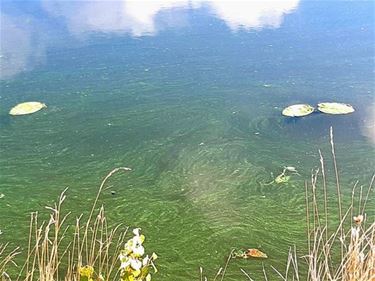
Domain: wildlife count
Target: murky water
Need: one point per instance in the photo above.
(189, 95)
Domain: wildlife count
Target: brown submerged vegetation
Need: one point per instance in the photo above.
(341, 251)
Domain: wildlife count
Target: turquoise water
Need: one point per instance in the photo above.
(192, 103)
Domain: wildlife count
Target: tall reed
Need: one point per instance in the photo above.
(340, 247)
(59, 251)
(343, 251)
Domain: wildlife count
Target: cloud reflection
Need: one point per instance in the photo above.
(24, 43)
(19, 46)
(134, 17)
(138, 17)
(253, 14)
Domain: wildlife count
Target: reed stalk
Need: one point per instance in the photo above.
(341, 251)
(57, 250)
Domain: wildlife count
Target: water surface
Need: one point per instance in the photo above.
(188, 95)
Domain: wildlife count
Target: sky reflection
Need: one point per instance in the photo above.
(138, 18)
(22, 44)
(25, 37)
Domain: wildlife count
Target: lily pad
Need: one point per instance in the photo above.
(335, 108)
(298, 110)
(27, 108)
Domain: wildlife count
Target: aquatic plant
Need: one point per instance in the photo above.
(335, 108)
(298, 110)
(284, 176)
(340, 248)
(343, 251)
(27, 108)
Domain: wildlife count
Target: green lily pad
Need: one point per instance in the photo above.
(27, 108)
(298, 110)
(282, 178)
(335, 108)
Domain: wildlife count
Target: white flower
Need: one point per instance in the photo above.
(136, 231)
(125, 261)
(145, 260)
(137, 241)
(136, 244)
(124, 264)
(135, 264)
(138, 250)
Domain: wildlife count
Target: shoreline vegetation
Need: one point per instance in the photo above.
(95, 251)
(340, 247)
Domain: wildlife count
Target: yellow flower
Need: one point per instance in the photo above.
(136, 273)
(86, 271)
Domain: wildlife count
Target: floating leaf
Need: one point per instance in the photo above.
(298, 110)
(291, 169)
(335, 108)
(254, 253)
(282, 178)
(27, 108)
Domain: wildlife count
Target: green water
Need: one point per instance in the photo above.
(195, 112)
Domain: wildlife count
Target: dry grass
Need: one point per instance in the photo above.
(6, 258)
(57, 251)
(344, 251)
(341, 247)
